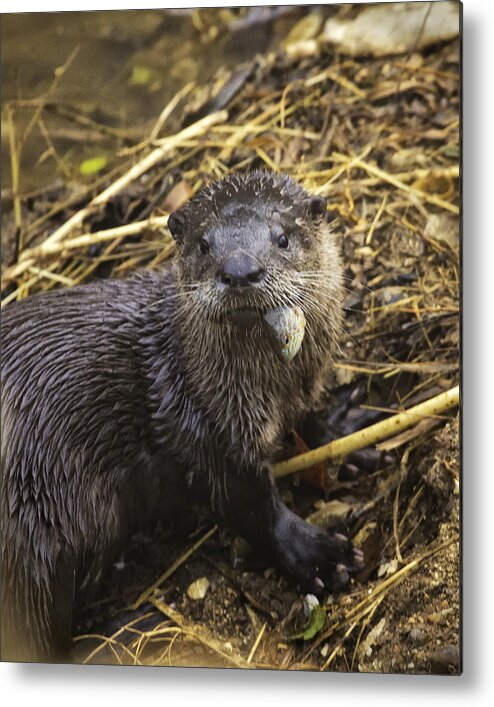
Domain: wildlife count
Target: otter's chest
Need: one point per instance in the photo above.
(250, 395)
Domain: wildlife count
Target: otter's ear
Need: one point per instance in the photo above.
(317, 206)
(176, 225)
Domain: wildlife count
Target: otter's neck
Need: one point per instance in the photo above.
(232, 372)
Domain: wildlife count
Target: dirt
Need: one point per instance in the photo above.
(415, 629)
(400, 503)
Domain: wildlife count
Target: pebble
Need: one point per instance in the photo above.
(444, 658)
(198, 589)
(417, 636)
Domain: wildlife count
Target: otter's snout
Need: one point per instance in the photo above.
(240, 270)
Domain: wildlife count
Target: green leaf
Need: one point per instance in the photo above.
(314, 625)
(93, 165)
(141, 75)
(451, 151)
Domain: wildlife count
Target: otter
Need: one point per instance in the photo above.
(117, 391)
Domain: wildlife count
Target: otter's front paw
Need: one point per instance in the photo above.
(317, 559)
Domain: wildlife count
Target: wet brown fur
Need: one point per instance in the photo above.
(108, 387)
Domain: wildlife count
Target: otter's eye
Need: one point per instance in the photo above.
(282, 241)
(204, 246)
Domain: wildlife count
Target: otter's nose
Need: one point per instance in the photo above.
(240, 270)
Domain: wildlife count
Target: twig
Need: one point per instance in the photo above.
(183, 558)
(200, 633)
(158, 126)
(256, 643)
(105, 641)
(166, 145)
(419, 194)
(399, 575)
(366, 605)
(396, 533)
(168, 110)
(338, 646)
(114, 235)
(370, 435)
(14, 167)
(55, 277)
(59, 73)
(152, 159)
(378, 215)
(87, 239)
(336, 78)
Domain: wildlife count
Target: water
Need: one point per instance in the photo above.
(127, 66)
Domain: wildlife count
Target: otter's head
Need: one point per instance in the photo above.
(255, 241)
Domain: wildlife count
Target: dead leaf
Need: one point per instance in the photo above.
(178, 195)
(443, 227)
(436, 183)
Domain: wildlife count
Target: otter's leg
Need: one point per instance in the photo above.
(316, 558)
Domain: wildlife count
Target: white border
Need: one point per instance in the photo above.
(141, 687)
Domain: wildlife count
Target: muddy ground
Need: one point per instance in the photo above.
(380, 138)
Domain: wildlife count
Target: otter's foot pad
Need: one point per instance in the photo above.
(319, 560)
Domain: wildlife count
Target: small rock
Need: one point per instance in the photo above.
(198, 589)
(240, 553)
(310, 602)
(446, 659)
(387, 569)
(443, 228)
(397, 28)
(417, 636)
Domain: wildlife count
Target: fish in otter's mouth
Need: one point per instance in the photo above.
(284, 326)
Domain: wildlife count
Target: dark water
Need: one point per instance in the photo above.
(127, 67)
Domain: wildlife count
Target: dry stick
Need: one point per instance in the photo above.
(378, 215)
(52, 151)
(363, 607)
(365, 623)
(111, 234)
(256, 643)
(87, 239)
(419, 194)
(336, 78)
(53, 276)
(166, 145)
(370, 435)
(237, 137)
(153, 158)
(59, 74)
(165, 114)
(338, 646)
(183, 558)
(104, 639)
(409, 54)
(398, 576)
(168, 110)
(200, 633)
(14, 168)
(338, 170)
